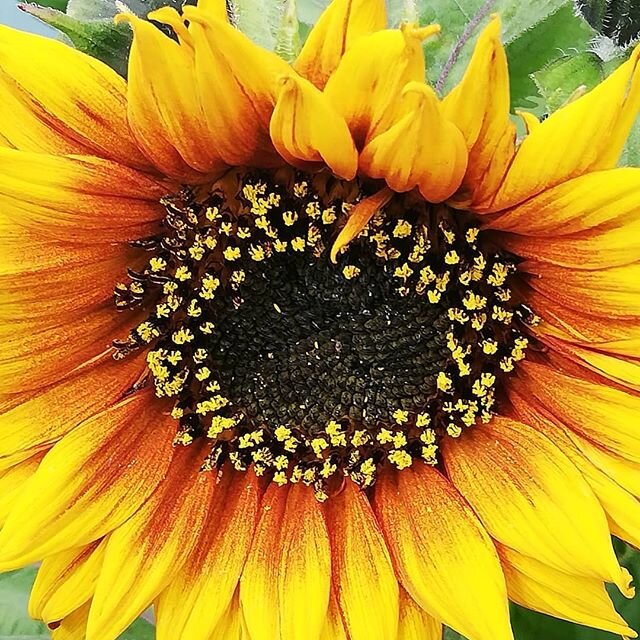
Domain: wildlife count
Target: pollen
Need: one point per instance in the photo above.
(310, 372)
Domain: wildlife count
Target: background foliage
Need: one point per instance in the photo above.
(555, 48)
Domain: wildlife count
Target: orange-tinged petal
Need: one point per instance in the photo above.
(65, 581)
(358, 219)
(90, 482)
(284, 591)
(613, 245)
(415, 623)
(341, 23)
(367, 83)
(299, 137)
(259, 582)
(143, 554)
(305, 567)
(577, 205)
(585, 135)
(578, 599)
(607, 292)
(12, 481)
(479, 107)
(421, 150)
(79, 198)
(237, 83)
(54, 99)
(32, 357)
(441, 552)
(363, 578)
(164, 108)
(334, 625)
(532, 499)
(603, 414)
(74, 626)
(52, 412)
(194, 603)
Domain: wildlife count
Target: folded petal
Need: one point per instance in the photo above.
(194, 604)
(577, 205)
(144, 554)
(578, 599)
(479, 107)
(65, 581)
(95, 478)
(415, 623)
(367, 83)
(441, 552)
(305, 129)
(164, 108)
(237, 84)
(532, 499)
(78, 198)
(421, 150)
(285, 585)
(339, 26)
(334, 625)
(363, 578)
(54, 99)
(585, 135)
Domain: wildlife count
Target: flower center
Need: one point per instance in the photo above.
(309, 370)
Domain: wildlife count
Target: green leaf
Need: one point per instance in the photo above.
(101, 39)
(560, 79)
(15, 623)
(616, 19)
(60, 5)
(454, 15)
(560, 32)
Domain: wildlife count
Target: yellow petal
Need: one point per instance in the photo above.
(237, 84)
(230, 624)
(259, 582)
(442, 554)
(621, 507)
(479, 107)
(194, 603)
(421, 150)
(74, 626)
(530, 120)
(585, 135)
(415, 623)
(601, 413)
(54, 99)
(90, 482)
(163, 105)
(334, 625)
(143, 554)
(532, 499)
(78, 198)
(612, 292)
(577, 205)
(363, 578)
(65, 581)
(284, 589)
(367, 83)
(536, 586)
(214, 8)
(305, 127)
(341, 23)
(94, 389)
(12, 481)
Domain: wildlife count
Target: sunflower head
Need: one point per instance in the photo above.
(320, 353)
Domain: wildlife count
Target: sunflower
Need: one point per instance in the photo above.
(305, 351)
